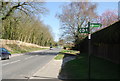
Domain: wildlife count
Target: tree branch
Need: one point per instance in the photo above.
(12, 9)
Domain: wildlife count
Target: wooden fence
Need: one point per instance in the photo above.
(105, 43)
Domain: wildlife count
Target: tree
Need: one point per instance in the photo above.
(29, 8)
(27, 28)
(61, 42)
(74, 16)
(108, 17)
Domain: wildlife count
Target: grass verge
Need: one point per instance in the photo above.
(100, 68)
(59, 57)
(63, 52)
(73, 52)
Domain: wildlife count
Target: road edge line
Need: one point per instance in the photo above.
(43, 67)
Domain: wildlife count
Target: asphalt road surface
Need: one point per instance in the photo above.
(24, 66)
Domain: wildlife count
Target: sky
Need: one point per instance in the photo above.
(55, 7)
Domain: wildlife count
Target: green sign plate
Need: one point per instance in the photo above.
(83, 30)
(95, 25)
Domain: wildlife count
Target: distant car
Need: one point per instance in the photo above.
(50, 47)
(4, 54)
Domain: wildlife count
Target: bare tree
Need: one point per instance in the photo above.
(75, 16)
(108, 17)
(29, 8)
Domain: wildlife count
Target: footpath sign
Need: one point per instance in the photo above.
(87, 30)
(95, 25)
(83, 30)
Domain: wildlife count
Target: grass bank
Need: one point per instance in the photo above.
(14, 48)
(100, 68)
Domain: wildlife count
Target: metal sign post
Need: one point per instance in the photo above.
(89, 50)
(89, 45)
(87, 30)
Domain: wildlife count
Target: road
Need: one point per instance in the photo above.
(24, 66)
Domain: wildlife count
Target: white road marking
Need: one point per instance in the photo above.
(28, 57)
(11, 62)
(15, 61)
(5, 64)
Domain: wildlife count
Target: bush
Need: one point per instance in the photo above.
(64, 47)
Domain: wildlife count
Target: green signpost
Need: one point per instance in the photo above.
(83, 30)
(87, 30)
(95, 25)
